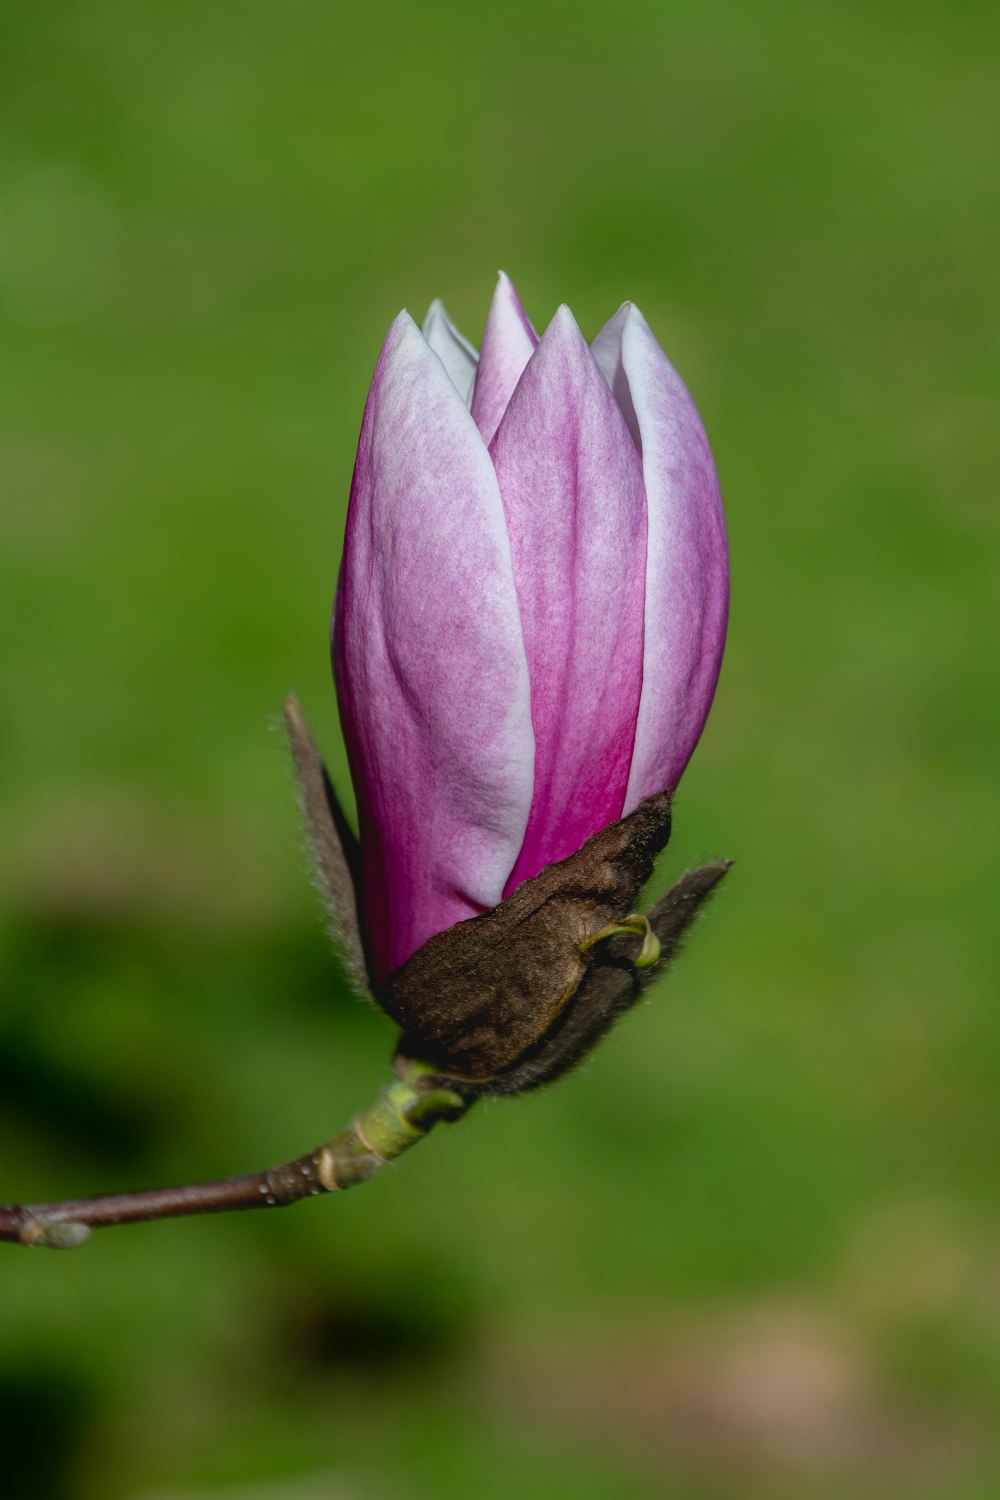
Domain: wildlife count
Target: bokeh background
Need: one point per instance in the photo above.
(753, 1248)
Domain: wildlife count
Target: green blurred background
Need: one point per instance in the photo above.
(753, 1248)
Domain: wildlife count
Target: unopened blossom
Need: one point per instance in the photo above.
(531, 610)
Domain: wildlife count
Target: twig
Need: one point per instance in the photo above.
(410, 1106)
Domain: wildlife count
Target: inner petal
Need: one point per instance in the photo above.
(572, 490)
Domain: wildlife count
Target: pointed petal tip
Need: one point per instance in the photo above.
(625, 314)
(403, 323)
(508, 343)
(562, 320)
(452, 348)
(436, 310)
(505, 283)
(505, 300)
(562, 329)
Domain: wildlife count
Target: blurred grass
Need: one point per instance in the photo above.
(754, 1248)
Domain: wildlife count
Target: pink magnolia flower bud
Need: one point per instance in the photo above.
(531, 610)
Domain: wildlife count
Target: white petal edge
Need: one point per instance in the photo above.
(452, 348)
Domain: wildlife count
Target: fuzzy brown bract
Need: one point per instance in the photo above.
(478, 996)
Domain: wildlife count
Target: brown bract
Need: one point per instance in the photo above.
(478, 996)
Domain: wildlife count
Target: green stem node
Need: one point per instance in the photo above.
(403, 1113)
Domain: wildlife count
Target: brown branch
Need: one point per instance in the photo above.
(64, 1225)
(403, 1114)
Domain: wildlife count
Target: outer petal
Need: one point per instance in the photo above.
(571, 482)
(508, 342)
(429, 660)
(455, 352)
(687, 581)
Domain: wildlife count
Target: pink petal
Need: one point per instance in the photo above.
(429, 659)
(455, 352)
(571, 482)
(508, 342)
(687, 581)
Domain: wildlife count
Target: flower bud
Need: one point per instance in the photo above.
(527, 634)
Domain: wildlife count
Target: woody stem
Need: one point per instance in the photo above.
(405, 1111)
